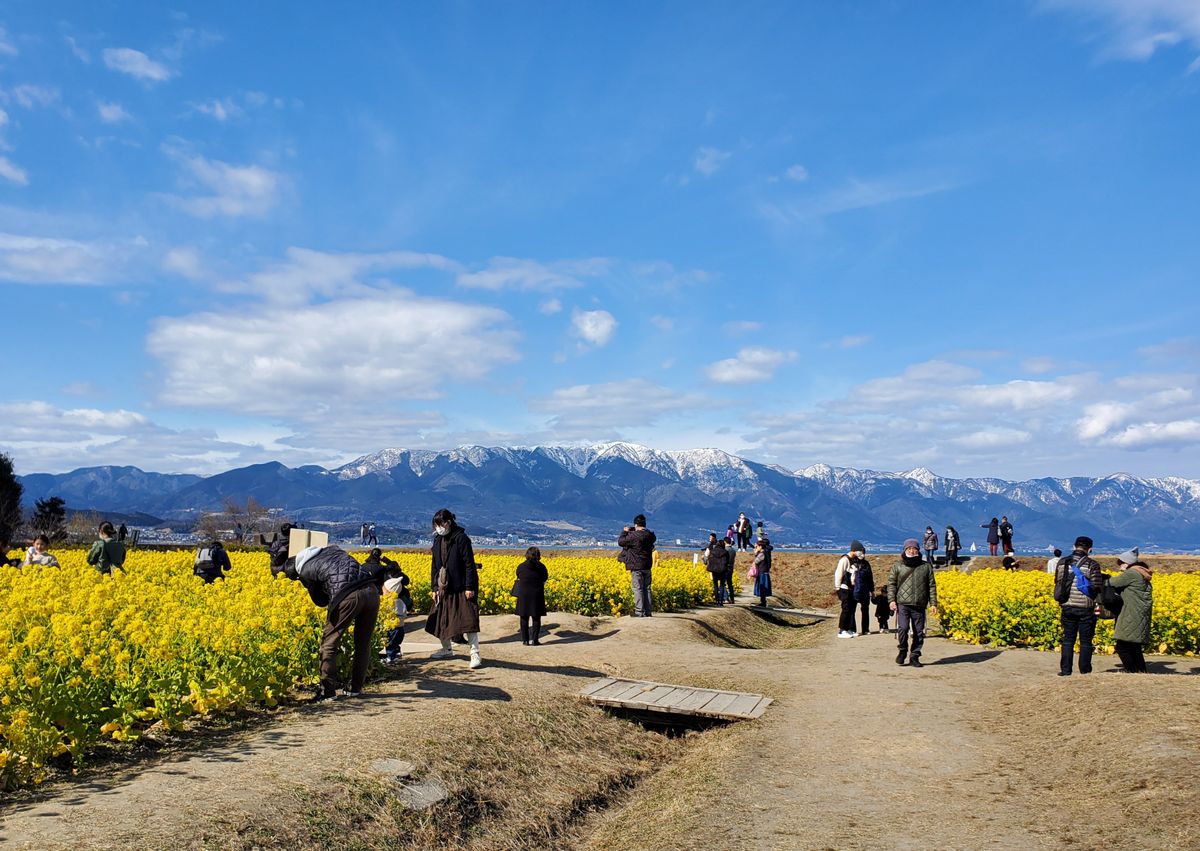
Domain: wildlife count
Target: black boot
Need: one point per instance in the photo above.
(535, 632)
(524, 634)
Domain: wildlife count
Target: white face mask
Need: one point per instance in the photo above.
(440, 530)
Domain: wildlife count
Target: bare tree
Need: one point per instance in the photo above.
(82, 527)
(211, 526)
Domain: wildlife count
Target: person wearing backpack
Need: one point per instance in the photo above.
(107, 552)
(911, 588)
(211, 562)
(1132, 628)
(1077, 581)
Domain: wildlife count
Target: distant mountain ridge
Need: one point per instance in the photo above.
(686, 493)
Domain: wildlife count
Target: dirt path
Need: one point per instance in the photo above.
(855, 752)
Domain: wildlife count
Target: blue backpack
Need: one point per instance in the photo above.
(1082, 583)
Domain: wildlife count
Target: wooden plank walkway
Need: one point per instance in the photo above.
(644, 696)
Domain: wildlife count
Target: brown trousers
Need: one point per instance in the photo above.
(358, 608)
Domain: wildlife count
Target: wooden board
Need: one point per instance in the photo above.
(645, 696)
(299, 539)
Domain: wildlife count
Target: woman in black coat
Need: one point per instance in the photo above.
(530, 591)
(454, 579)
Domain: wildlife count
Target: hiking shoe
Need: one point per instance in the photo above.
(476, 660)
(915, 663)
(442, 654)
(900, 658)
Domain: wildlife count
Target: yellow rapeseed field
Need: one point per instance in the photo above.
(85, 656)
(1018, 608)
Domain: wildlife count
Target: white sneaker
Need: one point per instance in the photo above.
(442, 654)
(844, 634)
(476, 659)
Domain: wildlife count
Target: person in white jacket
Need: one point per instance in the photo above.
(843, 584)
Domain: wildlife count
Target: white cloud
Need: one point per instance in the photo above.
(298, 363)
(797, 173)
(1039, 365)
(1154, 435)
(663, 323)
(595, 327)
(7, 48)
(222, 109)
(993, 438)
(80, 53)
(550, 306)
(922, 381)
(12, 172)
(503, 273)
(112, 113)
(708, 161)
(1137, 29)
(854, 341)
(31, 96)
(233, 190)
(47, 260)
(136, 64)
(596, 411)
(752, 364)
(854, 195)
(185, 261)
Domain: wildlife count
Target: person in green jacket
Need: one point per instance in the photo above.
(1132, 629)
(911, 588)
(107, 552)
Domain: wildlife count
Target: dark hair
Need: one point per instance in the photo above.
(376, 554)
(1057, 552)
(43, 539)
(106, 528)
(217, 545)
(1083, 542)
(712, 534)
(640, 520)
(533, 554)
(285, 529)
(443, 517)
(994, 520)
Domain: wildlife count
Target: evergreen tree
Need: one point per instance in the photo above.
(10, 501)
(50, 518)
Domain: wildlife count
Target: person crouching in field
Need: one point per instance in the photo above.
(395, 581)
(454, 578)
(911, 588)
(107, 552)
(530, 591)
(350, 592)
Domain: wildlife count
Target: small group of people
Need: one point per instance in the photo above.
(368, 536)
(1084, 593)
(999, 534)
(931, 544)
(720, 558)
(740, 531)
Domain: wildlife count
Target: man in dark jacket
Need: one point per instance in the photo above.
(351, 591)
(911, 588)
(1006, 535)
(211, 562)
(637, 554)
(1079, 610)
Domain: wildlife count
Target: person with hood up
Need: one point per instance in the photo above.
(762, 567)
(350, 593)
(454, 578)
(530, 591)
(843, 583)
(953, 545)
(1132, 628)
(911, 588)
(930, 543)
(993, 535)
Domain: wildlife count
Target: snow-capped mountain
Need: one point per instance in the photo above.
(598, 487)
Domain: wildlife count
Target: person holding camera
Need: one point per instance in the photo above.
(454, 578)
(637, 554)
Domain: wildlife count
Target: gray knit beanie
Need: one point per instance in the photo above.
(1129, 556)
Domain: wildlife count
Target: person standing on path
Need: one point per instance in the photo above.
(993, 535)
(1079, 609)
(714, 563)
(953, 545)
(107, 552)
(742, 527)
(637, 554)
(762, 567)
(843, 585)
(372, 540)
(862, 585)
(454, 579)
(530, 591)
(727, 578)
(930, 543)
(1006, 536)
(350, 593)
(1132, 628)
(911, 588)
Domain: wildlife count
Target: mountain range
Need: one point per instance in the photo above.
(555, 493)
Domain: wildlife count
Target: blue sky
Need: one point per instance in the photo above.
(960, 236)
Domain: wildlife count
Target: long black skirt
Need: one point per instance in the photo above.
(453, 615)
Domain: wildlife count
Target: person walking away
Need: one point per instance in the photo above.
(372, 540)
(350, 593)
(1006, 536)
(730, 559)
(39, 553)
(211, 562)
(637, 554)
(742, 527)
(715, 563)
(454, 578)
(762, 567)
(931, 544)
(530, 591)
(122, 533)
(1077, 581)
(1132, 628)
(843, 585)
(107, 552)
(1052, 562)
(953, 544)
(395, 581)
(861, 586)
(911, 588)
(882, 612)
(993, 535)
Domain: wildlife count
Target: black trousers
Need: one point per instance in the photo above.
(531, 631)
(849, 605)
(1077, 623)
(910, 617)
(1133, 660)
